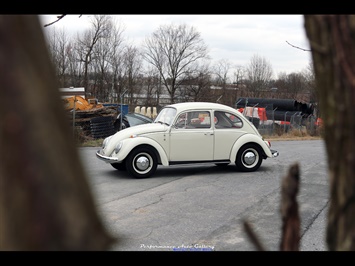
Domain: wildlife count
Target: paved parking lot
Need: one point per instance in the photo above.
(202, 207)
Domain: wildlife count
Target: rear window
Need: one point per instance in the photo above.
(227, 120)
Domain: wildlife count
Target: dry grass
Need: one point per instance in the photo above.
(91, 143)
(302, 134)
(291, 137)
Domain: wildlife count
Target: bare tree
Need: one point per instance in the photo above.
(101, 75)
(291, 86)
(132, 63)
(116, 53)
(296, 86)
(151, 86)
(100, 29)
(258, 74)
(239, 75)
(332, 41)
(200, 84)
(173, 50)
(58, 46)
(64, 55)
(106, 53)
(221, 70)
(308, 75)
(239, 82)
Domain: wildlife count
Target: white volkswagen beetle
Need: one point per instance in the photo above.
(185, 133)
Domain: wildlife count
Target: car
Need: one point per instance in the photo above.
(187, 133)
(138, 119)
(130, 120)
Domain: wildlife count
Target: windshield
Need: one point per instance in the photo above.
(166, 116)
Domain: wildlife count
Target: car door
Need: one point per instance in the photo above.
(228, 128)
(192, 137)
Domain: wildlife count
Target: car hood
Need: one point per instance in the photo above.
(135, 130)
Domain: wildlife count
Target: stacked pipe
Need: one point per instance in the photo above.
(279, 109)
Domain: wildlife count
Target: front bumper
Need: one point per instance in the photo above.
(106, 159)
(274, 153)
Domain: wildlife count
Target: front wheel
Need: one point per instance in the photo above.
(119, 166)
(142, 162)
(249, 158)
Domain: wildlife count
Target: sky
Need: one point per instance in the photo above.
(236, 38)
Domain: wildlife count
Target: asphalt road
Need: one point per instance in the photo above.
(202, 207)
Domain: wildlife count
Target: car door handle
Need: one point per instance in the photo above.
(210, 133)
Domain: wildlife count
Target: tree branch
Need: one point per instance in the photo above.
(306, 50)
(58, 18)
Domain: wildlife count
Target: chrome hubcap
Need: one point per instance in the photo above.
(142, 163)
(249, 158)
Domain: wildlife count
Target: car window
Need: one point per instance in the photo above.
(227, 120)
(193, 119)
(133, 121)
(165, 116)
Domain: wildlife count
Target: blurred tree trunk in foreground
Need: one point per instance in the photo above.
(290, 238)
(332, 41)
(45, 200)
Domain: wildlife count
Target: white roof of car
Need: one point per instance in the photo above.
(202, 105)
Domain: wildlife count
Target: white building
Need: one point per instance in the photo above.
(69, 92)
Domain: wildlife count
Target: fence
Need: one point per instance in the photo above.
(281, 115)
(281, 122)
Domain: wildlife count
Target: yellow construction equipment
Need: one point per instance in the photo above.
(80, 103)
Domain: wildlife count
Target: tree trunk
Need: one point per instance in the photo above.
(290, 239)
(332, 40)
(45, 199)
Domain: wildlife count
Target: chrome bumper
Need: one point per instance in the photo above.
(105, 158)
(274, 153)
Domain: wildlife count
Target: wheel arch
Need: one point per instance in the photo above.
(158, 150)
(247, 139)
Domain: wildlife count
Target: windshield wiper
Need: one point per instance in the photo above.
(163, 123)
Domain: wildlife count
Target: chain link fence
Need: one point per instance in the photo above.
(290, 122)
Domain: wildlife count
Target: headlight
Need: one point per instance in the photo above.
(106, 140)
(118, 147)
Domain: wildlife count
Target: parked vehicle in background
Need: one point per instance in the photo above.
(186, 133)
(138, 119)
(130, 120)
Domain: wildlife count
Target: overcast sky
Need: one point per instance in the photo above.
(233, 37)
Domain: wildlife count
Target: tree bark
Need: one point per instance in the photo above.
(332, 41)
(290, 239)
(45, 200)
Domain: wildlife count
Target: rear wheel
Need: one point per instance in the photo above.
(142, 162)
(249, 158)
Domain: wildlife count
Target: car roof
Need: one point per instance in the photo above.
(203, 105)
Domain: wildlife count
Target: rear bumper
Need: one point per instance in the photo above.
(274, 153)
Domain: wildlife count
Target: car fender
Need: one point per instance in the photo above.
(249, 138)
(129, 144)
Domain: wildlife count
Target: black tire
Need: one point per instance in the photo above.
(249, 158)
(142, 162)
(119, 166)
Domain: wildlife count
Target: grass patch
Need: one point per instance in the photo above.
(295, 134)
(91, 143)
